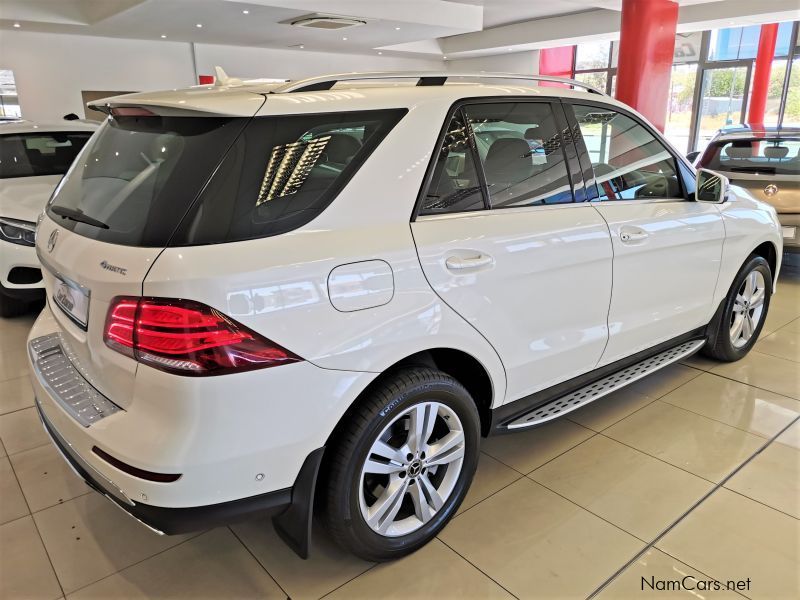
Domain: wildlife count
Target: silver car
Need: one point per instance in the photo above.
(766, 162)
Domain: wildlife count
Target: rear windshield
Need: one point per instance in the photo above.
(178, 181)
(771, 156)
(39, 154)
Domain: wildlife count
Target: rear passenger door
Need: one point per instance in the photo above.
(667, 247)
(502, 241)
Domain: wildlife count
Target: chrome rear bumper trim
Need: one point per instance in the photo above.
(80, 467)
(54, 370)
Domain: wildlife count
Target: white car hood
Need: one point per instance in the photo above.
(24, 198)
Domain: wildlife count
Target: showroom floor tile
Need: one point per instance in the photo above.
(731, 537)
(757, 411)
(628, 488)
(641, 577)
(693, 471)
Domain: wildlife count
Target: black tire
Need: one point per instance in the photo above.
(348, 452)
(719, 345)
(11, 307)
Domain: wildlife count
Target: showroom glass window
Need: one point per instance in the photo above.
(455, 186)
(629, 162)
(520, 148)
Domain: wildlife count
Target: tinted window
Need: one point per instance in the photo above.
(455, 186)
(139, 175)
(629, 162)
(198, 180)
(521, 152)
(771, 157)
(38, 154)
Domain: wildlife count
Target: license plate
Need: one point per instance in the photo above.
(789, 232)
(73, 299)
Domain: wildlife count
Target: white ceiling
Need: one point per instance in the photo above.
(504, 12)
(403, 27)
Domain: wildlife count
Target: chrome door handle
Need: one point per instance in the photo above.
(632, 234)
(458, 263)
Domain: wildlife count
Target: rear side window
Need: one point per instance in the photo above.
(455, 186)
(39, 154)
(281, 173)
(158, 181)
(521, 152)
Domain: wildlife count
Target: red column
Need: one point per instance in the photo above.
(763, 67)
(646, 48)
(556, 61)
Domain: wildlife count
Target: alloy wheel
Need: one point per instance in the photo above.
(748, 309)
(411, 469)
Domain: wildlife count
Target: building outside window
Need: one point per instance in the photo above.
(9, 101)
(710, 84)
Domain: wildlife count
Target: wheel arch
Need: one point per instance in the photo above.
(768, 252)
(460, 365)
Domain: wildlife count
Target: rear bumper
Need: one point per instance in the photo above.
(24, 293)
(169, 520)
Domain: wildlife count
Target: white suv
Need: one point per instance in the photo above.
(33, 158)
(341, 284)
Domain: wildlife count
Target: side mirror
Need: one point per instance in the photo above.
(711, 187)
(692, 156)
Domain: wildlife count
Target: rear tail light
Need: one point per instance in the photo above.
(187, 337)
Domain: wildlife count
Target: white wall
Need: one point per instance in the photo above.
(51, 70)
(526, 63)
(245, 62)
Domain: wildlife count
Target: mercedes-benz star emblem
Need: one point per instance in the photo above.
(51, 241)
(771, 190)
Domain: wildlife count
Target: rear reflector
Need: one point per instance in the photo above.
(135, 471)
(187, 337)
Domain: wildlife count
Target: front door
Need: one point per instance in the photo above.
(667, 248)
(503, 244)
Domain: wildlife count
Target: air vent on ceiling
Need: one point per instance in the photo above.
(331, 22)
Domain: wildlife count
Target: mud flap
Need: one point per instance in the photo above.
(294, 524)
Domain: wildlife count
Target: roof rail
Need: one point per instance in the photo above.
(326, 82)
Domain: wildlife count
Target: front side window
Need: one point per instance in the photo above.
(629, 162)
(39, 154)
(520, 148)
(455, 186)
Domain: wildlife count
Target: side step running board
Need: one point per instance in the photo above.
(602, 387)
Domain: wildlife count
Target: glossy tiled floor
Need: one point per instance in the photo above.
(693, 471)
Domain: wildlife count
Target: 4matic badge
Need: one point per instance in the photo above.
(114, 268)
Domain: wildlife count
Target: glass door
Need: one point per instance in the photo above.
(722, 101)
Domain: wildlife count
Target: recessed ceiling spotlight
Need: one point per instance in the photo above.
(380, 52)
(163, 37)
(444, 58)
(344, 39)
(17, 25)
(397, 29)
(245, 12)
(199, 25)
(301, 46)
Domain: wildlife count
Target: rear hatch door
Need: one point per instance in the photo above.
(114, 213)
